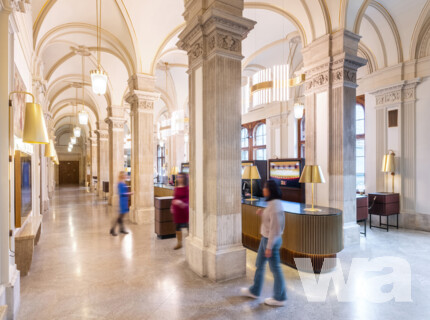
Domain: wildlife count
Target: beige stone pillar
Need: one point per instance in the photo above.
(93, 161)
(141, 99)
(213, 39)
(331, 64)
(116, 123)
(4, 147)
(102, 159)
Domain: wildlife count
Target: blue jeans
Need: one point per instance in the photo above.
(279, 290)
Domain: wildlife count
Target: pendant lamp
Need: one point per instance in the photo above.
(77, 132)
(73, 140)
(98, 76)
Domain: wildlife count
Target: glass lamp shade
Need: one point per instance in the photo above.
(99, 81)
(70, 150)
(50, 149)
(34, 125)
(73, 140)
(298, 110)
(77, 132)
(83, 117)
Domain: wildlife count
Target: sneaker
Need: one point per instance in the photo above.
(112, 232)
(247, 293)
(273, 302)
(124, 231)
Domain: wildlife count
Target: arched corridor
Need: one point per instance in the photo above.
(80, 272)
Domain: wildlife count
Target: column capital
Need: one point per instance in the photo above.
(102, 135)
(214, 30)
(115, 123)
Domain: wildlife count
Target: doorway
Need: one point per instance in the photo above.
(69, 172)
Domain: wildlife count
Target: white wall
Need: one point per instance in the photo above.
(423, 147)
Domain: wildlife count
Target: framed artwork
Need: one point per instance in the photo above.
(18, 103)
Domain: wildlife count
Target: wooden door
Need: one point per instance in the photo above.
(69, 172)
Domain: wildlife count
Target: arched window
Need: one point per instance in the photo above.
(260, 142)
(301, 137)
(359, 146)
(244, 138)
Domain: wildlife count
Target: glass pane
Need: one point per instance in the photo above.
(359, 112)
(360, 181)
(260, 154)
(360, 127)
(359, 148)
(360, 165)
(244, 155)
(260, 135)
(302, 129)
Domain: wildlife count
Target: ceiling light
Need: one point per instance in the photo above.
(73, 140)
(298, 110)
(77, 132)
(83, 117)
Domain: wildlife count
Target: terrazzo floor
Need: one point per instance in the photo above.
(79, 271)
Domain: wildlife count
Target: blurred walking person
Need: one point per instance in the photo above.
(272, 228)
(179, 207)
(123, 204)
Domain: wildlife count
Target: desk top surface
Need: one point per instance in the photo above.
(295, 208)
(165, 186)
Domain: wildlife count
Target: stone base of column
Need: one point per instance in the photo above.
(142, 215)
(351, 234)
(217, 265)
(13, 294)
(45, 206)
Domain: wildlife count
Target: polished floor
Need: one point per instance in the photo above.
(80, 272)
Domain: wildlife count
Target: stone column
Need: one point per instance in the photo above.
(213, 39)
(331, 64)
(116, 122)
(102, 159)
(93, 145)
(141, 98)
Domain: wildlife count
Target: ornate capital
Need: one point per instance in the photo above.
(102, 135)
(115, 123)
(396, 94)
(142, 101)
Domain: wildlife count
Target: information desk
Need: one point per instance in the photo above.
(163, 190)
(314, 235)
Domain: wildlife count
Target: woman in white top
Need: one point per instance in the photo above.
(272, 227)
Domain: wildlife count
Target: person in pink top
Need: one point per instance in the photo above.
(179, 207)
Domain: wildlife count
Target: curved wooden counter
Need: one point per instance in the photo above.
(314, 235)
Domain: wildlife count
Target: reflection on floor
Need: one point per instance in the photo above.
(80, 272)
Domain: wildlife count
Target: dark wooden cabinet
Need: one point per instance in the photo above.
(164, 225)
(384, 204)
(362, 211)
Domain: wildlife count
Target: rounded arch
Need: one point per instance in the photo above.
(421, 35)
(284, 13)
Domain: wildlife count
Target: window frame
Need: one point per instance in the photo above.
(251, 127)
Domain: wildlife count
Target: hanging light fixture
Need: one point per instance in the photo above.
(34, 130)
(298, 110)
(50, 149)
(73, 140)
(77, 131)
(82, 115)
(98, 76)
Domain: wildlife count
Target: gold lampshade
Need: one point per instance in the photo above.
(34, 125)
(174, 171)
(50, 149)
(312, 174)
(388, 163)
(251, 172)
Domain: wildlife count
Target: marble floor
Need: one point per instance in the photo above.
(79, 271)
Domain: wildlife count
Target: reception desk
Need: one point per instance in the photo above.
(163, 190)
(314, 235)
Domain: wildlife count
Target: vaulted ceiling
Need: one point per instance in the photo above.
(140, 36)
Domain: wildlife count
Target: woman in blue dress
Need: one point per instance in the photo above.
(123, 204)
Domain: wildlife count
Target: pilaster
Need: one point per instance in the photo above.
(93, 160)
(141, 98)
(213, 40)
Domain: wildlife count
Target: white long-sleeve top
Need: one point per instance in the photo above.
(272, 222)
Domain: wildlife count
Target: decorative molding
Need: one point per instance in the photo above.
(225, 42)
(115, 123)
(102, 135)
(396, 94)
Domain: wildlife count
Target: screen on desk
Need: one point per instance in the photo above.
(285, 173)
